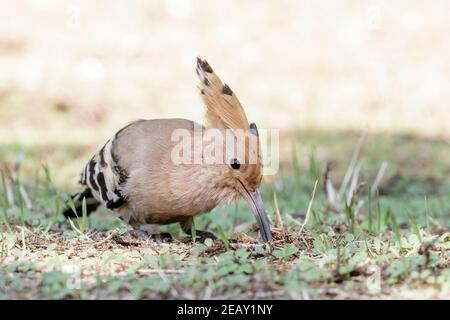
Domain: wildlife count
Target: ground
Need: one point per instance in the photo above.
(392, 244)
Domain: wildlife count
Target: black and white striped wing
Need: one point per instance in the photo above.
(105, 177)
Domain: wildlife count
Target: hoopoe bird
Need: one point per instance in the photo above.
(134, 174)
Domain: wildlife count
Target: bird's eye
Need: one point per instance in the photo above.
(234, 163)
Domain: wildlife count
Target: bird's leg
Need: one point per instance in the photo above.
(186, 226)
(138, 234)
(132, 237)
(152, 232)
(143, 233)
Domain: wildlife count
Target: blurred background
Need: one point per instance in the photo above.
(74, 72)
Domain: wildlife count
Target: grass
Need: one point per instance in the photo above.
(81, 221)
(354, 243)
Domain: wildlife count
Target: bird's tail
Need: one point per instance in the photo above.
(91, 204)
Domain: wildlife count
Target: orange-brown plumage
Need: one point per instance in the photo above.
(135, 175)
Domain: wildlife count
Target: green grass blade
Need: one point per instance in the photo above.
(71, 205)
(317, 220)
(83, 225)
(21, 203)
(5, 204)
(314, 169)
(369, 223)
(396, 230)
(350, 217)
(223, 237)
(378, 215)
(48, 179)
(386, 217)
(22, 210)
(415, 227)
(193, 231)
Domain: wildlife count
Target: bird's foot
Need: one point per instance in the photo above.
(201, 235)
(161, 237)
(134, 237)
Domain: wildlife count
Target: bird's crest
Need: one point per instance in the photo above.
(223, 109)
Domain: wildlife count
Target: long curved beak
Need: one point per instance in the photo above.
(256, 204)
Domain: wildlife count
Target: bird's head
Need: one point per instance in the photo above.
(241, 169)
